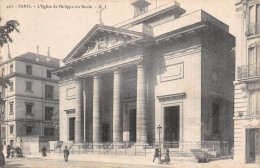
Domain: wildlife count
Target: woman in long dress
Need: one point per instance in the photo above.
(66, 154)
(43, 151)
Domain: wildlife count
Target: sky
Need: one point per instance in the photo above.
(61, 28)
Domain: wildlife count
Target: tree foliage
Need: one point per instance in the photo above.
(55, 118)
(6, 29)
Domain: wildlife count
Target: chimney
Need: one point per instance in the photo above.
(37, 58)
(9, 54)
(140, 7)
(48, 58)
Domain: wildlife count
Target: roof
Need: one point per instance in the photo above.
(32, 57)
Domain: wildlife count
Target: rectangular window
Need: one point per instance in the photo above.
(253, 20)
(48, 113)
(253, 54)
(48, 91)
(48, 131)
(29, 130)
(11, 129)
(28, 86)
(48, 73)
(29, 69)
(251, 15)
(11, 143)
(11, 69)
(254, 106)
(29, 108)
(11, 86)
(11, 108)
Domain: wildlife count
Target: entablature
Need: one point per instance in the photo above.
(108, 65)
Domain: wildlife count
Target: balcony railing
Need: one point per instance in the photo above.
(248, 71)
(253, 29)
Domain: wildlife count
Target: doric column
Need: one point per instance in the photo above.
(96, 110)
(78, 114)
(141, 127)
(117, 126)
(84, 110)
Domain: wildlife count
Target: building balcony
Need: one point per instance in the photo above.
(253, 29)
(248, 71)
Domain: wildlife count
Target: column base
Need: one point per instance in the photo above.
(141, 145)
(97, 145)
(119, 145)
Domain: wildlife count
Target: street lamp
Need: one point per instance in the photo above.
(2, 116)
(159, 130)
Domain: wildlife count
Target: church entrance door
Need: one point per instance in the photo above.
(132, 125)
(72, 129)
(172, 126)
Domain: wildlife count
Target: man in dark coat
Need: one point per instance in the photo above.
(2, 157)
(156, 153)
(43, 151)
(8, 151)
(66, 154)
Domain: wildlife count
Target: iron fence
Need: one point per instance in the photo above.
(182, 149)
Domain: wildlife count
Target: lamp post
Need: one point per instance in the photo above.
(159, 130)
(2, 116)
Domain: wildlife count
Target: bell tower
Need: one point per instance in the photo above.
(140, 7)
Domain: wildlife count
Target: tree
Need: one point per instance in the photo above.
(3, 84)
(55, 118)
(6, 29)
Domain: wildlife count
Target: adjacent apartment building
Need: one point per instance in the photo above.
(30, 99)
(246, 85)
(164, 67)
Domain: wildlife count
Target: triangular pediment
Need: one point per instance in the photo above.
(101, 38)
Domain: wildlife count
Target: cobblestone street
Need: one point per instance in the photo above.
(96, 161)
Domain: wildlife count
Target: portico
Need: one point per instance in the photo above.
(104, 78)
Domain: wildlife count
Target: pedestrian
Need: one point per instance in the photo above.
(12, 152)
(2, 157)
(66, 154)
(156, 152)
(44, 151)
(8, 151)
(167, 155)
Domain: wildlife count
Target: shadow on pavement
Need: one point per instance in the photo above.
(8, 164)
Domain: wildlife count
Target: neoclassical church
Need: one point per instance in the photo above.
(162, 67)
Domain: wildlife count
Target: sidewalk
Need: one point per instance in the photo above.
(183, 162)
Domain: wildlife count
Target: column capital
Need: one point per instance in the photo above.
(96, 75)
(117, 70)
(78, 80)
(141, 65)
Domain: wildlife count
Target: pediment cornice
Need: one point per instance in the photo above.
(100, 39)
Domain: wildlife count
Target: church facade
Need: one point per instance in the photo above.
(162, 67)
